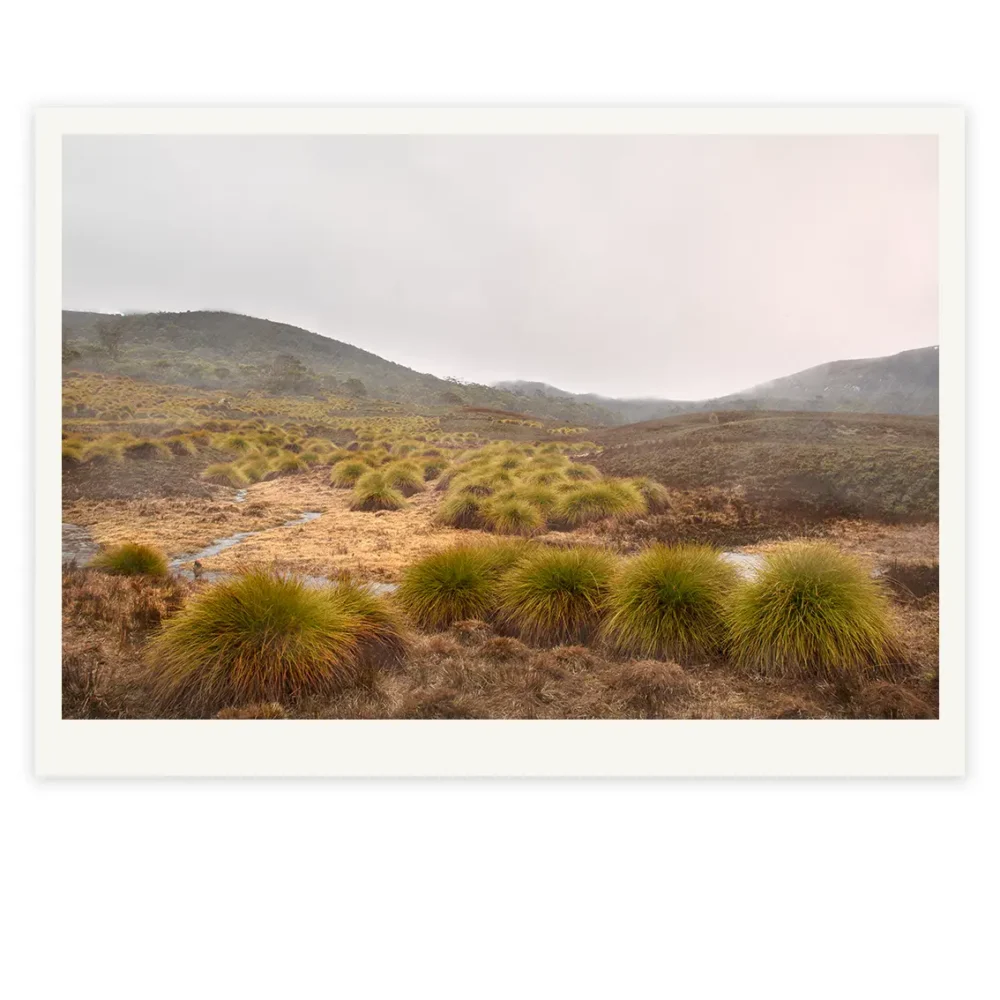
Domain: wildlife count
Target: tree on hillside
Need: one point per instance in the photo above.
(288, 375)
(356, 388)
(110, 334)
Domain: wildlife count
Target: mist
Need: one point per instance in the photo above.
(672, 266)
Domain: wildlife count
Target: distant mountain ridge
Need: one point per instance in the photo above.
(232, 352)
(905, 383)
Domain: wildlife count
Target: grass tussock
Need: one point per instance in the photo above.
(404, 476)
(380, 631)
(462, 510)
(346, 474)
(226, 474)
(372, 492)
(131, 559)
(596, 501)
(556, 595)
(812, 611)
(670, 602)
(259, 638)
(514, 517)
(453, 585)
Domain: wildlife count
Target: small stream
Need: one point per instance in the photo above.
(221, 544)
(79, 547)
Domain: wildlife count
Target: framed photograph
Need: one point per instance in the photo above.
(500, 442)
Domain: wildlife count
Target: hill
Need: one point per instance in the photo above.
(800, 466)
(899, 383)
(229, 352)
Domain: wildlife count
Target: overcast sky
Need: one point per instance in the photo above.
(681, 267)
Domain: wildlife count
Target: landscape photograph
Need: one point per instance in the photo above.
(500, 427)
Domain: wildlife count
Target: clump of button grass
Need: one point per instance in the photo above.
(513, 517)
(595, 501)
(811, 611)
(255, 469)
(381, 635)
(131, 559)
(581, 473)
(289, 465)
(669, 603)
(145, 448)
(556, 595)
(226, 474)
(433, 468)
(456, 584)
(102, 451)
(462, 510)
(406, 477)
(346, 474)
(372, 492)
(655, 495)
(260, 637)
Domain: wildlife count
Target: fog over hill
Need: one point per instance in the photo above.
(239, 353)
(900, 383)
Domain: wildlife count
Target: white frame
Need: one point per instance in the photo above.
(498, 748)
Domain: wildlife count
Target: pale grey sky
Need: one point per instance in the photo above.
(673, 266)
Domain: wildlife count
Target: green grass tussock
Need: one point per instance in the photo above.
(595, 501)
(514, 517)
(556, 595)
(131, 559)
(655, 495)
(226, 474)
(372, 492)
(259, 638)
(404, 476)
(382, 640)
(462, 510)
(669, 603)
(811, 611)
(346, 474)
(452, 585)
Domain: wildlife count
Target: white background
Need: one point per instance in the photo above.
(472, 889)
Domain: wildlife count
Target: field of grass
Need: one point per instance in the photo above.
(546, 571)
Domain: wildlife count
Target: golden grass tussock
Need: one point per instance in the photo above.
(556, 595)
(811, 611)
(655, 495)
(669, 602)
(452, 585)
(513, 517)
(372, 493)
(404, 476)
(147, 449)
(596, 501)
(462, 510)
(226, 474)
(346, 474)
(131, 559)
(260, 637)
